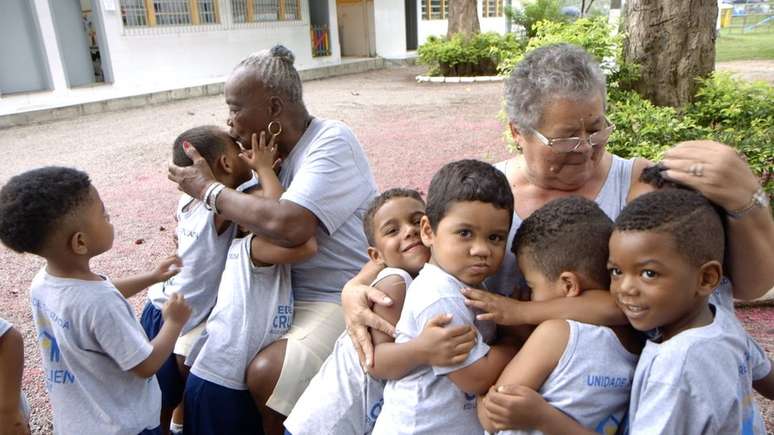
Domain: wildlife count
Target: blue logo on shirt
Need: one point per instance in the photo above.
(48, 343)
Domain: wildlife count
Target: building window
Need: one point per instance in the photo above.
(249, 11)
(144, 13)
(492, 8)
(435, 9)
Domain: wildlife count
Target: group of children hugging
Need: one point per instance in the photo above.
(677, 361)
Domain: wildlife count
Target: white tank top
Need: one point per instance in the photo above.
(592, 381)
(611, 199)
(203, 252)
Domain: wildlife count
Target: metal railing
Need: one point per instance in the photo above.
(743, 16)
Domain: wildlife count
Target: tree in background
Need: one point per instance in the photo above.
(673, 42)
(463, 18)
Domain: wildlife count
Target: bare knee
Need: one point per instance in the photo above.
(264, 370)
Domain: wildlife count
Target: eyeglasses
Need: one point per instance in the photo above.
(570, 144)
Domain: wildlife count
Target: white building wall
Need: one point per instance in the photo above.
(439, 27)
(177, 57)
(390, 31)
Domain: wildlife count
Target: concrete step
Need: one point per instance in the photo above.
(47, 108)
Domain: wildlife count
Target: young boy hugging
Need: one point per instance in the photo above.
(14, 411)
(343, 400)
(254, 308)
(761, 366)
(99, 367)
(203, 239)
(580, 369)
(666, 253)
(469, 210)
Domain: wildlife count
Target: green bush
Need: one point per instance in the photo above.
(473, 55)
(532, 12)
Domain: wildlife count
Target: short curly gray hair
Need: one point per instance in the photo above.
(274, 69)
(546, 73)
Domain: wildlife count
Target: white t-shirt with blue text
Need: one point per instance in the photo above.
(426, 401)
(341, 398)
(328, 174)
(254, 309)
(89, 340)
(697, 382)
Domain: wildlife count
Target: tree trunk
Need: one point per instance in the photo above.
(463, 17)
(673, 41)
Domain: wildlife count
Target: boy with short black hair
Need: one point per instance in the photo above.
(343, 400)
(469, 211)
(98, 364)
(581, 370)
(666, 256)
(203, 238)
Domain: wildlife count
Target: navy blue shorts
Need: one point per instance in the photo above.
(170, 380)
(211, 409)
(156, 431)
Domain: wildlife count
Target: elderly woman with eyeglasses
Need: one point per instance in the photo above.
(556, 109)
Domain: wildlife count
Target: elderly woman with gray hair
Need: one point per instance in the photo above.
(556, 98)
(328, 186)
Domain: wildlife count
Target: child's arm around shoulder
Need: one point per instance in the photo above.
(264, 253)
(167, 268)
(11, 367)
(765, 385)
(534, 363)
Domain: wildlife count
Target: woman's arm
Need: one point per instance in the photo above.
(282, 222)
(596, 307)
(717, 171)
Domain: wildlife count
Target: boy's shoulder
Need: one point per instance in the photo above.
(689, 356)
(75, 294)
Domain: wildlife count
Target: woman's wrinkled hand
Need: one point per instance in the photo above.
(499, 309)
(194, 179)
(357, 300)
(714, 169)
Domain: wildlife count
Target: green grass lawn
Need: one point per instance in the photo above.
(734, 44)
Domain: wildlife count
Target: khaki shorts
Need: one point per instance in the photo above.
(316, 326)
(185, 342)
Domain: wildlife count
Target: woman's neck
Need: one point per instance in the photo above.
(299, 121)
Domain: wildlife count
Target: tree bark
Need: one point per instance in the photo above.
(463, 17)
(673, 41)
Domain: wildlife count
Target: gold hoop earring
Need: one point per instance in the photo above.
(277, 126)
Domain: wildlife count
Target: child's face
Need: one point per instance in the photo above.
(469, 242)
(96, 227)
(240, 170)
(541, 288)
(654, 285)
(396, 235)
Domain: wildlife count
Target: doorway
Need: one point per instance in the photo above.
(411, 25)
(356, 27)
(80, 39)
(23, 65)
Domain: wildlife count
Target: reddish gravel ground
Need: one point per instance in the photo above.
(408, 131)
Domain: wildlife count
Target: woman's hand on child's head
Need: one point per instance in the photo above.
(262, 155)
(176, 310)
(443, 345)
(193, 179)
(499, 309)
(514, 407)
(167, 268)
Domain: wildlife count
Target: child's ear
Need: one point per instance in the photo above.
(225, 164)
(710, 274)
(78, 243)
(426, 231)
(375, 255)
(570, 284)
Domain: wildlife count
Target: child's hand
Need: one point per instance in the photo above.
(500, 309)
(514, 407)
(262, 155)
(445, 346)
(167, 268)
(176, 310)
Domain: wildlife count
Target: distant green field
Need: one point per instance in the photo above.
(733, 44)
